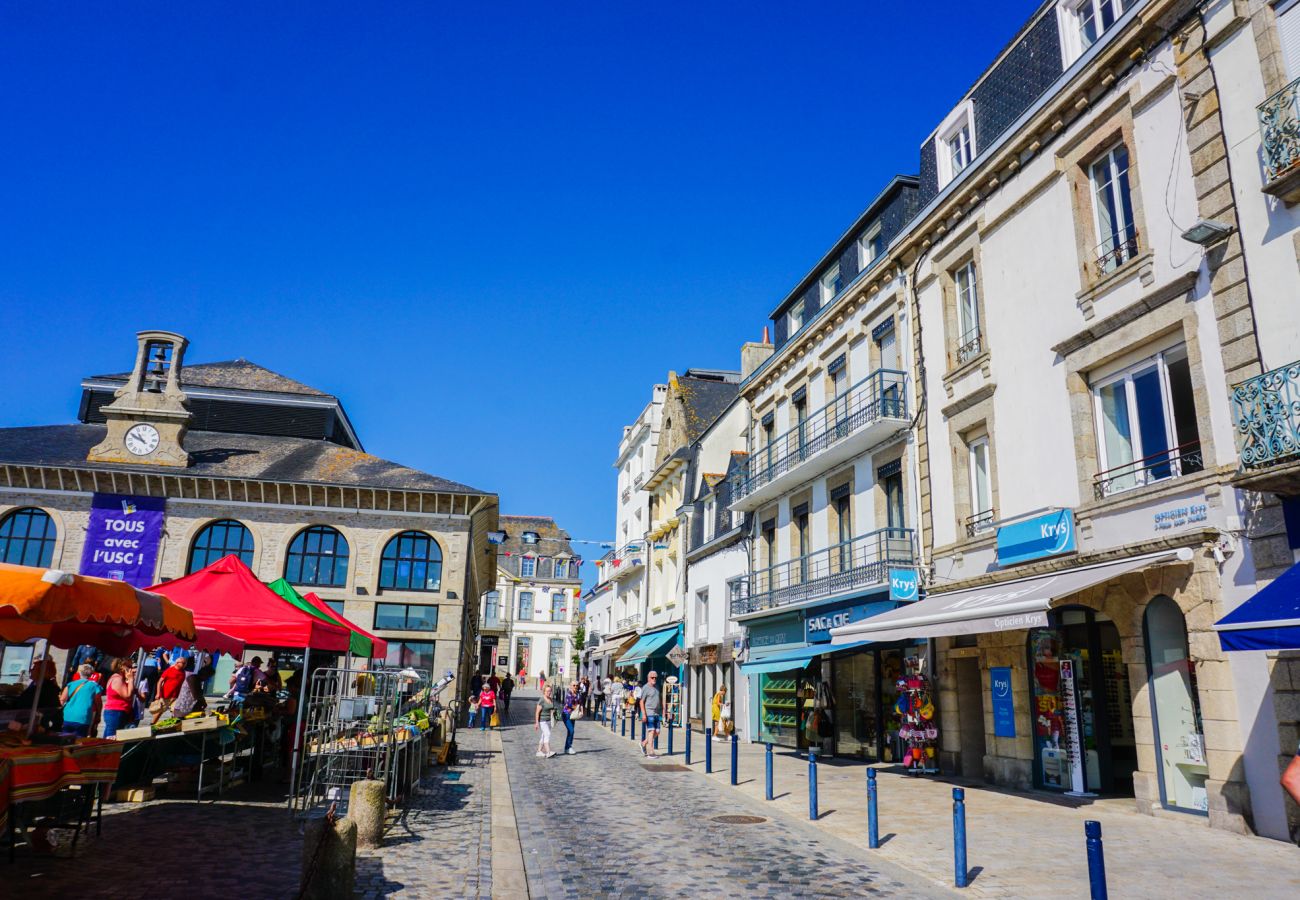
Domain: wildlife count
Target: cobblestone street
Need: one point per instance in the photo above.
(608, 823)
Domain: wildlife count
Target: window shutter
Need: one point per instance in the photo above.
(1288, 35)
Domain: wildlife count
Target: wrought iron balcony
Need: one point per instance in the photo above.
(1279, 131)
(1266, 410)
(1116, 250)
(852, 565)
(970, 345)
(631, 558)
(627, 494)
(1182, 460)
(627, 623)
(848, 424)
(979, 523)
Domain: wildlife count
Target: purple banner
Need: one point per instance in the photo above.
(122, 538)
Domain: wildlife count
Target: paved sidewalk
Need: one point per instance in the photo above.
(1018, 845)
(607, 823)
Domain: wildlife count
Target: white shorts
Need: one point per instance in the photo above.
(545, 727)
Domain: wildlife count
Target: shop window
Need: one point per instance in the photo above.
(27, 538)
(218, 540)
(410, 655)
(1146, 424)
(406, 617)
(523, 654)
(411, 561)
(1175, 708)
(317, 556)
(555, 656)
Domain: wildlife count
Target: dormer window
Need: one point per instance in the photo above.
(871, 247)
(832, 284)
(955, 143)
(1084, 21)
(794, 318)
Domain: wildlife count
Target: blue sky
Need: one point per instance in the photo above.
(489, 228)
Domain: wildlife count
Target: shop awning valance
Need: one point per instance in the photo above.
(1008, 606)
(1270, 620)
(616, 646)
(795, 658)
(652, 643)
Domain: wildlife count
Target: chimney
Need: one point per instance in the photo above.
(754, 354)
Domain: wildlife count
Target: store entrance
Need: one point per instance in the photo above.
(1083, 717)
(970, 717)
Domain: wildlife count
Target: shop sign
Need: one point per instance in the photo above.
(503, 660)
(1073, 752)
(1050, 534)
(904, 584)
(819, 622)
(1179, 516)
(1004, 710)
(788, 630)
(708, 654)
(122, 538)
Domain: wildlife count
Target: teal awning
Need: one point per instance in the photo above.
(795, 658)
(652, 643)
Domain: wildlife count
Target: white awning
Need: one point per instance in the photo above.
(1008, 606)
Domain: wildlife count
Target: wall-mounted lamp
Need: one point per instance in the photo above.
(1206, 232)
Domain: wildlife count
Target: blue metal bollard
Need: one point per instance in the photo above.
(670, 737)
(873, 821)
(735, 758)
(959, 837)
(1096, 861)
(768, 780)
(708, 751)
(622, 726)
(688, 743)
(812, 784)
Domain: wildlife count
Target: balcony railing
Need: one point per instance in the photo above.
(627, 494)
(1182, 460)
(1116, 250)
(979, 523)
(879, 396)
(1279, 130)
(629, 622)
(1266, 410)
(858, 563)
(970, 345)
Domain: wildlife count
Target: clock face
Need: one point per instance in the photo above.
(142, 439)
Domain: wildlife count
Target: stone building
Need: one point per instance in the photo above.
(249, 462)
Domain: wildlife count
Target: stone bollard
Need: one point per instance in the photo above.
(329, 860)
(366, 807)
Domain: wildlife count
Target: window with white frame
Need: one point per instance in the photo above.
(871, 247)
(832, 284)
(1146, 423)
(955, 143)
(525, 606)
(528, 566)
(1113, 209)
(1086, 20)
(966, 287)
(561, 568)
(710, 517)
(1287, 15)
(794, 318)
(981, 486)
(702, 614)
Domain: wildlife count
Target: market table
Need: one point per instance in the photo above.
(30, 773)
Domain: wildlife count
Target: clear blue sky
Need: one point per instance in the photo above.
(488, 227)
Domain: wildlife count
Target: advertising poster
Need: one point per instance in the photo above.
(1004, 713)
(122, 538)
(1074, 753)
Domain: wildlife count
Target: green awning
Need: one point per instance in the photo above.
(653, 643)
(358, 644)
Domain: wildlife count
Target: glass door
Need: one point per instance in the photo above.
(1179, 737)
(857, 709)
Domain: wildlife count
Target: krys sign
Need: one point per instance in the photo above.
(1046, 535)
(122, 538)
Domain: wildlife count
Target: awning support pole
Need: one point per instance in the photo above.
(297, 728)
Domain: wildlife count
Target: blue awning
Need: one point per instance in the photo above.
(652, 643)
(795, 658)
(1270, 620)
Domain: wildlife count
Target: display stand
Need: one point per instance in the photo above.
(672, 701)
(915, 707)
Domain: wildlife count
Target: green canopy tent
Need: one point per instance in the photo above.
(360, 643)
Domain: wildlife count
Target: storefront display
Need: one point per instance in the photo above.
(919, 730)
(866, 691)
(780, 707)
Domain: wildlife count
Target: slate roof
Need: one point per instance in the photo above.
(705, 399)
(545, 527)
(233, 374)
(229, 455)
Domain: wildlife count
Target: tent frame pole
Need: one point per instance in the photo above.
(40, 679)
(297, 728)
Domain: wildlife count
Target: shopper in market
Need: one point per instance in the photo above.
(241, 683)
(571, 701)
(487, 706)
(191, 699)
(82, 702)
(47, 706)
(543, 719)
(118, 696)
(273, 681)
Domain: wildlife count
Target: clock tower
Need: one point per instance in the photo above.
(148, 416)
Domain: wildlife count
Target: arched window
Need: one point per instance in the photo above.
(412, 561)
(27, 537)
(222, 538)
(318, 555)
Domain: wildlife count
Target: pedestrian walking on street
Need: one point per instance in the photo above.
(507, 688)
(487, 707)
(598, 698)
(1291, 777)
(651, 708)
(584, 694)
(543, 718)
(570, 701)
(721, 714)
(476, 683)
(473, 711)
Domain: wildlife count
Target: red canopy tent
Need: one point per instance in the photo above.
(205, 639)
(226, 596)
(378, 644)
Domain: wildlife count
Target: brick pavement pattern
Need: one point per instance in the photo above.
(608, 823)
